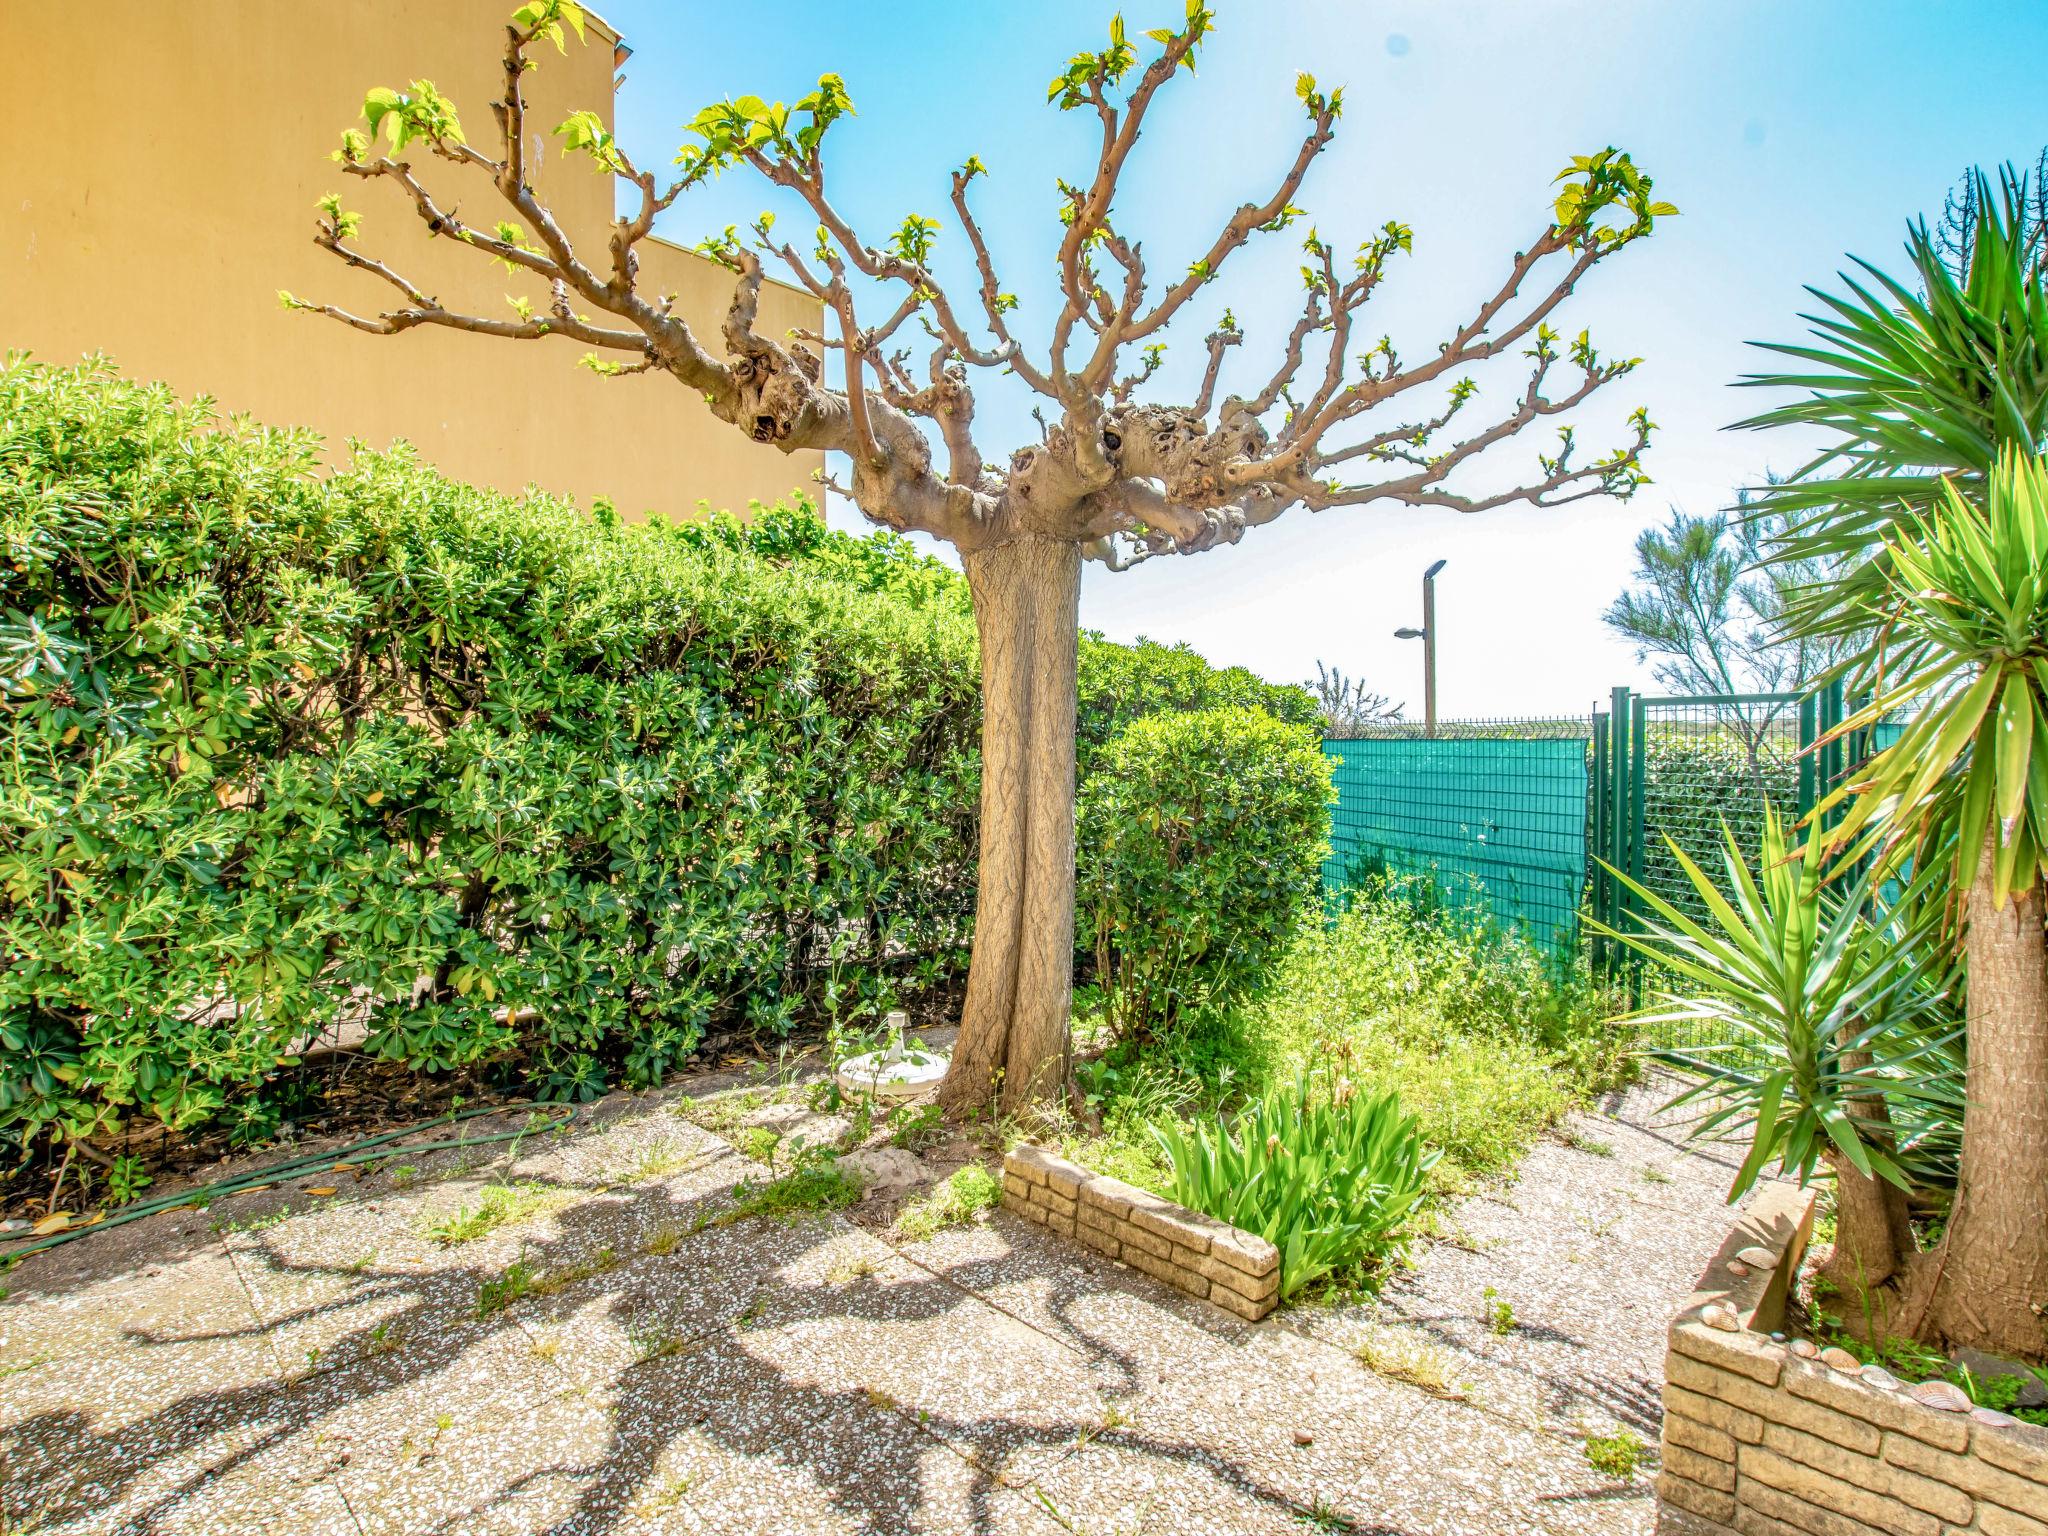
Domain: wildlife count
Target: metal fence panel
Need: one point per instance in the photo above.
(1492, 814)
(1705, 764)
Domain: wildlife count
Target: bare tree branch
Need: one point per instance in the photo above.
(1127, 479)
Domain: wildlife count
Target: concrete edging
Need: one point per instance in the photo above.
(1223, 1265)
(1762, 1441)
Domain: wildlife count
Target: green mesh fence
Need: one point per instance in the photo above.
(1680, 771)
(1489, 817)
(1709, 766)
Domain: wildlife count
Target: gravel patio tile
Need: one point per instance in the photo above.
(1134, 1332)
(1457, 1470)
(763, 1455)
(1001, 1393)
(65, 1473)
(1286, 1420)
(249, 1502)
(315, 1256)
(1130, 1484)
(95, 1358)
(318, 1320)
(450, 1441)
(600, 1325)
(619, 1148)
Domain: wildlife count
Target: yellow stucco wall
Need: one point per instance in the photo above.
(159, 188)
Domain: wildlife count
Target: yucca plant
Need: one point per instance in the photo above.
(1938, 401)
(1832, 1036)
(1914, 388)
(1965, 642)
(1963, 638)
(1328, 1175)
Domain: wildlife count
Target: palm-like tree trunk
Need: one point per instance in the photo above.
(1013, 1045)
(1873, 1228)
(1990, 1277)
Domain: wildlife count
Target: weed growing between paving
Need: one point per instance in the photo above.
(1498, 1315)
(522, 1279)
(815, 1183)
(962, 1197)
(1616, 1455)
(1412, 1356)
(501, 1205)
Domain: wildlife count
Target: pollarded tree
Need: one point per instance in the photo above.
(1338, 422)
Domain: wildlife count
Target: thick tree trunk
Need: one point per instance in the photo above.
(1991, 1270)
(1014, 1043)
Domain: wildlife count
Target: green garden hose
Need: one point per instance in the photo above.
(355, 1153)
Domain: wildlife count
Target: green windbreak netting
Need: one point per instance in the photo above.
(1494, 826)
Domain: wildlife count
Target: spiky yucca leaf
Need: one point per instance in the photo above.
(1915, 387)
(1814, 1005)
(1963, 636)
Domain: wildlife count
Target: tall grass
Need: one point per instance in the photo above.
(1487, 1040)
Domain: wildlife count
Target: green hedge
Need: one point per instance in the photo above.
(522, 788)
(1118, 683)
(1203, 837)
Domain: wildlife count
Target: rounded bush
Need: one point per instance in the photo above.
(1202, 837)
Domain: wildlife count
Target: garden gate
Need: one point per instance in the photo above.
(1681, 767)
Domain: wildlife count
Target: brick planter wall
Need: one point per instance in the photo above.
(1761, 1442)
(1232, 1269)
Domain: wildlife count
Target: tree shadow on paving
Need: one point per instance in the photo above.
(1634, 1400)
(1660, 1123)
(863, 1456)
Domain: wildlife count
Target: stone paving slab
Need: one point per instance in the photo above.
(468, 1450)
(1126, 1483)
(747, 1450)
(725, 1277)
(1001, 1393)
(1288, 1424)
(1454, 1469)
(1135, 1332)
(321, 1364)
(258, 1498)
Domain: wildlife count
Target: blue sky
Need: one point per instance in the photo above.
(1788, 131)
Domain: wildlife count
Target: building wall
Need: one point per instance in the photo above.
(159, 191)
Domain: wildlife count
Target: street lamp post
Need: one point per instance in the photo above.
(1427, 635)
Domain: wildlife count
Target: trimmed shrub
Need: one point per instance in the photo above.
(1122, 683)
(1201, 841)
(511, 784)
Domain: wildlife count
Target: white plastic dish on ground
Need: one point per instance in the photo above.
(903, 1071)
